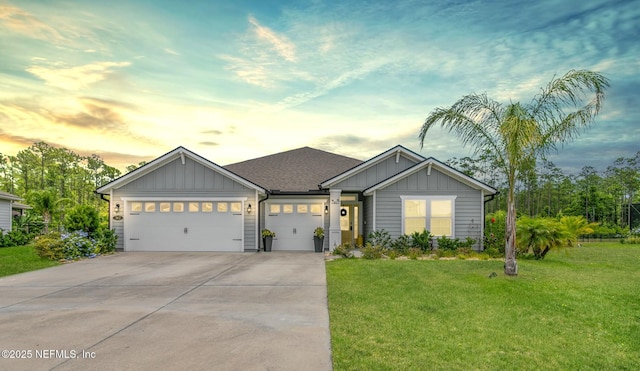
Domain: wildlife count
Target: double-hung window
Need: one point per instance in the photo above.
(433, 213)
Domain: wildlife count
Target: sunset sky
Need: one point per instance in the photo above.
(234, 80)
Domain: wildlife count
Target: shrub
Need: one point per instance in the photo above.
(540, 235)
(77, 245)
(446, 243)
(422, 240)
(343, 250)
(82, 218)
(631, 240)
(402, 244)
(50, 246)
(105, 240)
(494, 233)
(414, 253)
(14, 238)
(493, 252)
(370, 251)
(380, 238)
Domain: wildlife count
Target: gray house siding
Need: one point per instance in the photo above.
(192, 180)
(5, 215)
(375, 174)
(368, 216)
(468, 203)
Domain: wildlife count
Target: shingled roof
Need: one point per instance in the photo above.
(297, 170)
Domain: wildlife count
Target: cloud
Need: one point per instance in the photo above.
(171, 51)
(22, 22)
(17, 139)
(75, 78)
(280, 43)
(211, 144)
(99, 115)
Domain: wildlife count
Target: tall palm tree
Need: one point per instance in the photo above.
(517, 133)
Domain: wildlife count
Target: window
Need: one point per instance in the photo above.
(302, 209)
(136, 206)
(150, 207)
(236, 207)
(207, 207)
(223, 207)
(316, 209)
(435, 214)
(287, 209)
(178, 207)
(274, 209)
(194, 207)
(165, 207)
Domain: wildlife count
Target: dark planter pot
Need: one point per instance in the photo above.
(318, 243)
(267, 242)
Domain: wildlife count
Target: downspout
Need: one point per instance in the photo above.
(108, 211)
(259, 209)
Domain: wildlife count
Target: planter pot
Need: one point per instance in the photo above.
(267, 242)
(318, 243)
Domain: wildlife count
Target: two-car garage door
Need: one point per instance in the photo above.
(183, 225)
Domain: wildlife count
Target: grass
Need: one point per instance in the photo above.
(18, 259)
(577, 309)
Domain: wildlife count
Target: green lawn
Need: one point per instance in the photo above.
(577, 309)
(20, 259)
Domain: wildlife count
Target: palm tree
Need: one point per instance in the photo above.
(517, 133)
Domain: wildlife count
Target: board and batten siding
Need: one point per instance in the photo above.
(375, 174)
(468, 203)
(5, 215)
(368, 215)
(191, 180)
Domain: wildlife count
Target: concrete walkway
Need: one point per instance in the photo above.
(169, 311)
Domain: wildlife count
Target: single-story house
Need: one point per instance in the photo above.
(8, 206)
(184, 202)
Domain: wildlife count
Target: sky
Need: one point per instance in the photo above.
(130, 80)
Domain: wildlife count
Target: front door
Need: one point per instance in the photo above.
(350, 223)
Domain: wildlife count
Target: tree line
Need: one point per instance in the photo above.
(603, 196)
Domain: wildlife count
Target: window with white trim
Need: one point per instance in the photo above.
(433, 213)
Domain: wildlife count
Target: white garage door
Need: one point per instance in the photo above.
(294, 224)
(183, 226)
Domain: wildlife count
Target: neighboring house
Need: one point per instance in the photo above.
(182, 201)
(7, 205)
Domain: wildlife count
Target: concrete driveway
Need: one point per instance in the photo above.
(186, 311)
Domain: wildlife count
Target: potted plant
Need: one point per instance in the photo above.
(318, 239)
(267, 239)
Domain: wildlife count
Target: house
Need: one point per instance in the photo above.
(8, 206)
(182, 201)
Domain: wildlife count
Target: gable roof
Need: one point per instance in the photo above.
(395, 151)
(297, 170)
(179, 152)
(430, 163)
(8, 196)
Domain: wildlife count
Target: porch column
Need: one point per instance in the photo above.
(335, 233)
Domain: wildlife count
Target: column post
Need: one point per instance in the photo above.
(335, 233)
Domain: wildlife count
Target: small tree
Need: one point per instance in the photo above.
(540, 235)
(82, 218)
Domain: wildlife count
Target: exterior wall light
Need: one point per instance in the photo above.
(249, 209)
(116, 209)
(326, 209)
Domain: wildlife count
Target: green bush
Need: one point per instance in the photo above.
(82, 218)
(446, 243)
(50, 246)
(414, 253)
(402, 244)
(370, 251)
(105, 240)
(422, 240)
(493, 252)
(631, 240)
(380, 238)
(343, 250)
(14, 238)
(77, 245)
(495, 230)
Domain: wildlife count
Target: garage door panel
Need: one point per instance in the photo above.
(194, 228)
(294, 224)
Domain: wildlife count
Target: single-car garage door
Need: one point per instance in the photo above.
(183, 226)
(294, 223)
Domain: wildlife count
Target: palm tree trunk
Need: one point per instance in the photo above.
(510, 263)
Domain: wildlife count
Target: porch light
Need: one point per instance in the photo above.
(249, 209)
(116, 208)
(326, 209)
